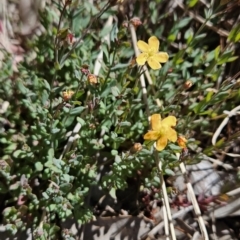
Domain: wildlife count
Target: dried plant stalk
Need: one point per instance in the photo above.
(194, 201)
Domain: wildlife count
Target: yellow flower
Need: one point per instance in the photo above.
(151, 54)
(162, 131)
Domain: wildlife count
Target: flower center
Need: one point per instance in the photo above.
(151, 52)
(163, 130)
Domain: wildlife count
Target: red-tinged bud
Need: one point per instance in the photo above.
(70, 38)
(136, 22)
(85, 69)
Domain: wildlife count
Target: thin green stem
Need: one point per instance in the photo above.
(75, 96)
(58, 28)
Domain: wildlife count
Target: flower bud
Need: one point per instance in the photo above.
(70, 38)
(125, 24)
(92, 79)
(92, 126)
(85, 69)
(182, 141)
(136, 21)
(67, 95)
(137, 147)
(188, 84)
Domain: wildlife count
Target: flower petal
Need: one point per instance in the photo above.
(144, 47)
(153, 63)
(155, 122)
(141, 59)
(153, 43)
(171, 135)
(161, 143)
(151, 135)
(161, 57)
(170, 121)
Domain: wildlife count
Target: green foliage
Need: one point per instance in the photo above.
(40, 174)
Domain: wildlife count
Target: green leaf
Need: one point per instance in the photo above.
(106, 124)
(120, 66)
(117, 159)
(105, 31)
(200, 36)
(53, 168)
(45, 195)
(156, 179)
(169, 172)
(192, 3)
(50, 154)
(9, 211)
(234, 34)
(125, 124)
(114, 152)
(65, 187)
(55, 130)
(46, 84)
(77, 110)
(39, 166)
(19, 154)
(220, 143)
(112, 193)
(3, 188)
(22, 88)
(115, 91)
(225, 57)
(172, 37)
(58, 163)
(11, 228)
(216, 52)
(81, 121)
(45, 97)
(14, 186)
(189, 35)
(80, 93)
(209, 96)
(182, 23)
(68, 120)
(231, 59)
(66, 178)
(106, 52)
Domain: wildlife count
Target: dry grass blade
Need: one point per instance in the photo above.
(233, 112)
(194, 201)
